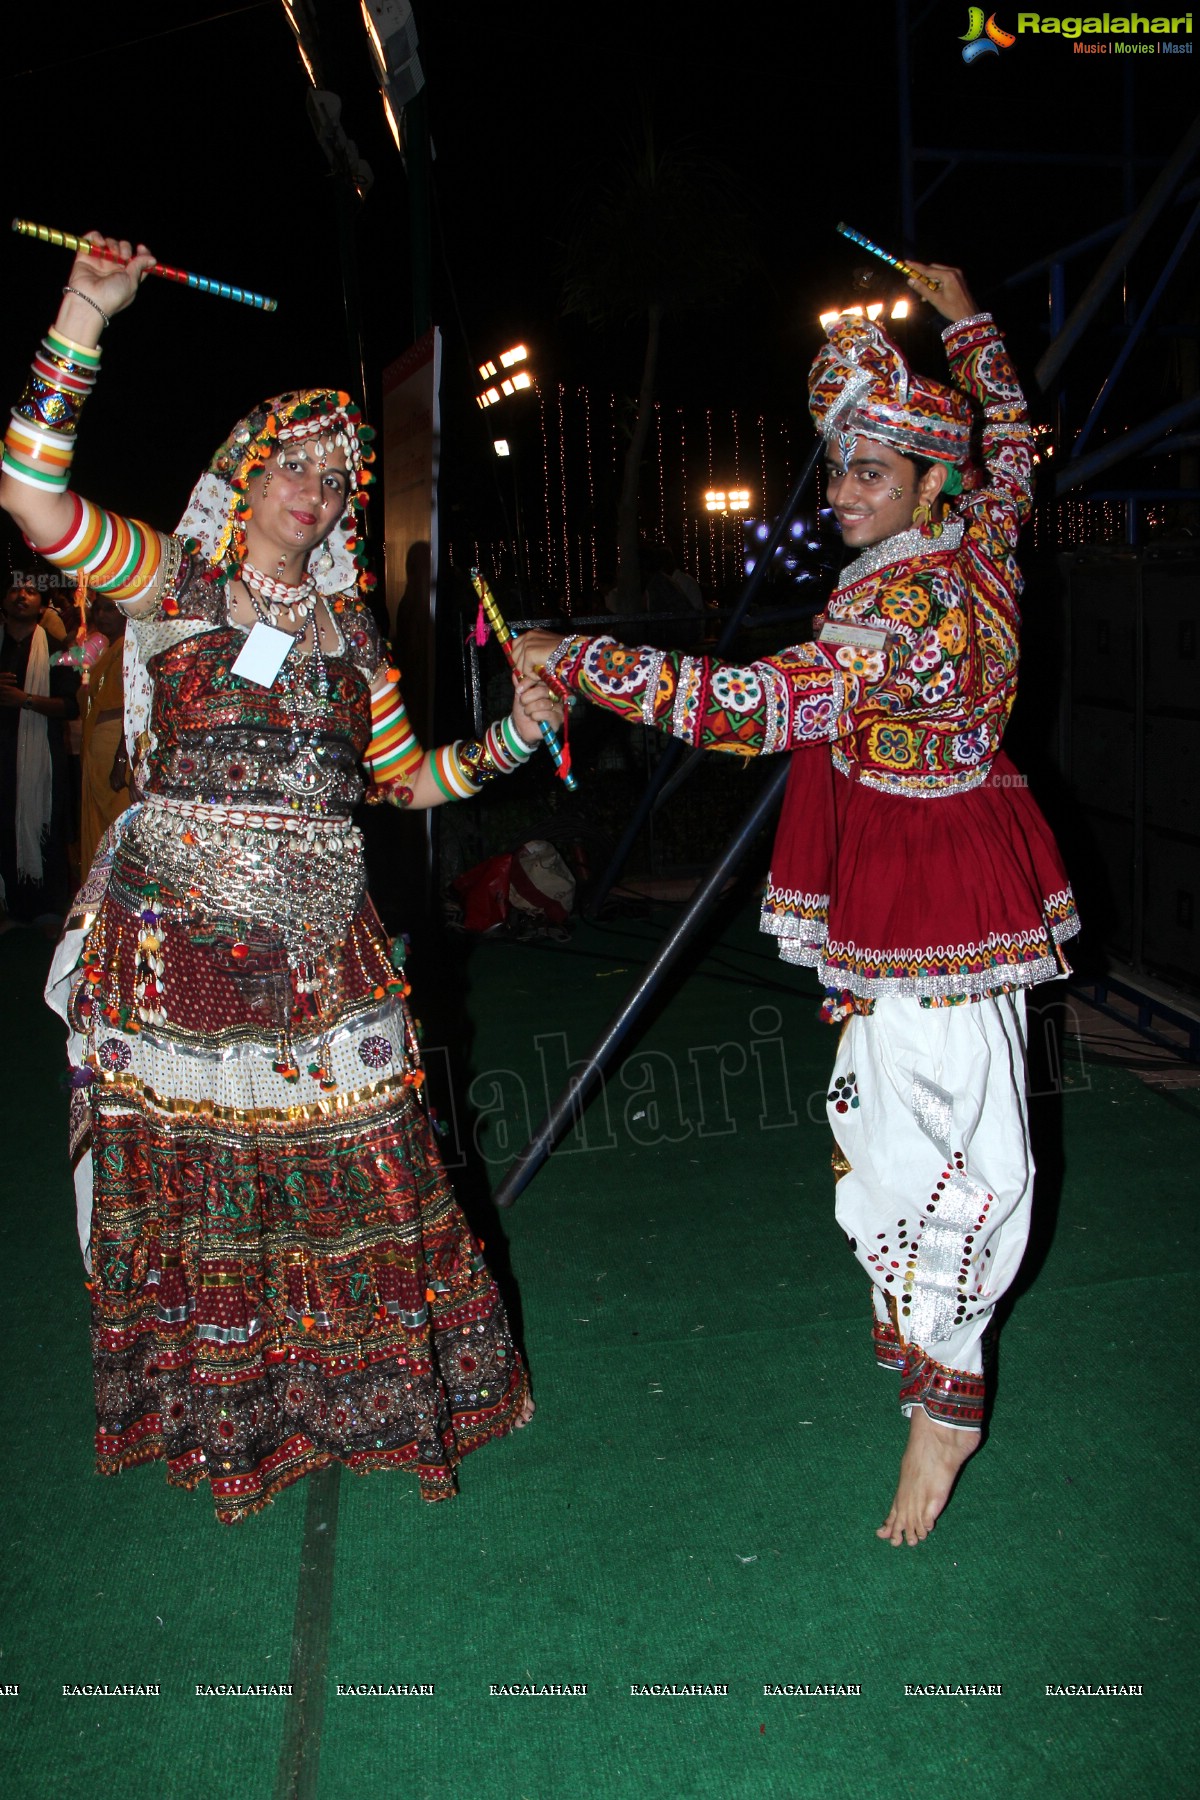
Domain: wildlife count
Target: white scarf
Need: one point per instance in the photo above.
(34, 793)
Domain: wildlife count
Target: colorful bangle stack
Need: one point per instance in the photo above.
(121, 557)
(460, 769)
(393, 753)
(40, 440)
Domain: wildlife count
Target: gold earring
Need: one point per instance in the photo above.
(925, 522)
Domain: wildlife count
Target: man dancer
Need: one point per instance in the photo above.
(912, 868)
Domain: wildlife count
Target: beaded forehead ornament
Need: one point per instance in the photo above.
(309, 422)
(892, 405)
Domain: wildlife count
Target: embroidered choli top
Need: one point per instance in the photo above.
(923, 717)
(214, 737)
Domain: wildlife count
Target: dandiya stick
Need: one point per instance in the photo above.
(856, 237)
(66, 240)
(559, 754)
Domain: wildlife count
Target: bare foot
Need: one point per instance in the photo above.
(929, 1468)
(527, 1412)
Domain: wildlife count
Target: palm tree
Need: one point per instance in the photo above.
(663, 232)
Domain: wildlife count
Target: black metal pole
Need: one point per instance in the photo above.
(670, 756)
(569, 1106)
(347, 202)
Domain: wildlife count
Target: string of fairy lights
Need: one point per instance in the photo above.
(591, 482)
(706, 515)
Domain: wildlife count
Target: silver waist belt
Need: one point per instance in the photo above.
(301, 878)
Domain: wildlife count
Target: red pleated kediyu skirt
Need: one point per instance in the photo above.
(942, 898)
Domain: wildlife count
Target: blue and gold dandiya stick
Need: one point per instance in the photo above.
(856, 237)
(66, 240)
(559, 752)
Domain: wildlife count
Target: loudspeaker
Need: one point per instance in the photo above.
(1171, 943)
(1101, 761)
(1103, 621)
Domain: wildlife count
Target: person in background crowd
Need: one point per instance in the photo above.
(103, 754)
(36, 700)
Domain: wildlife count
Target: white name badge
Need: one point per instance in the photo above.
(263, 655)
(847, 631)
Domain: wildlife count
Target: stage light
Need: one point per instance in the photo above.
(510, 384)
(500, 445)
(900, 310)
(727, 500)
(875, 308)
(839, 312)
(393, 122)
(392, 35)
(302, 19)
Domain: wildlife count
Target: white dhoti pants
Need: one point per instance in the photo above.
(928, 1107)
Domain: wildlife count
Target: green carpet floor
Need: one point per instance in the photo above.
(696, 1501)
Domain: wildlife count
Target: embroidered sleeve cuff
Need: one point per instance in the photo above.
(563, 660)
(981, 318)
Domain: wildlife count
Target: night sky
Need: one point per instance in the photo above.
(196, 139)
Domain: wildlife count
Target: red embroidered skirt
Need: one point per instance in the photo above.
(280, 1275)
(947, 898)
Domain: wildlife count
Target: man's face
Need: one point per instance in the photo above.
(21, 604)
(106, 616)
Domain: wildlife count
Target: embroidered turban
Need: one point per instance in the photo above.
(860, 385)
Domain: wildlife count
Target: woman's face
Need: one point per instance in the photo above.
(295, 503)
(875, 496)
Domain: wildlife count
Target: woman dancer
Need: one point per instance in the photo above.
(912, 868)
(280, 1275)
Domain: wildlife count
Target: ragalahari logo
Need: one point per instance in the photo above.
(984, 37)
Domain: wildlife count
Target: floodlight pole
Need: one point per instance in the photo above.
(417, 161)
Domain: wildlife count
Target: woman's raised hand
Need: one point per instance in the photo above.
(109, 285)
(950, 297)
